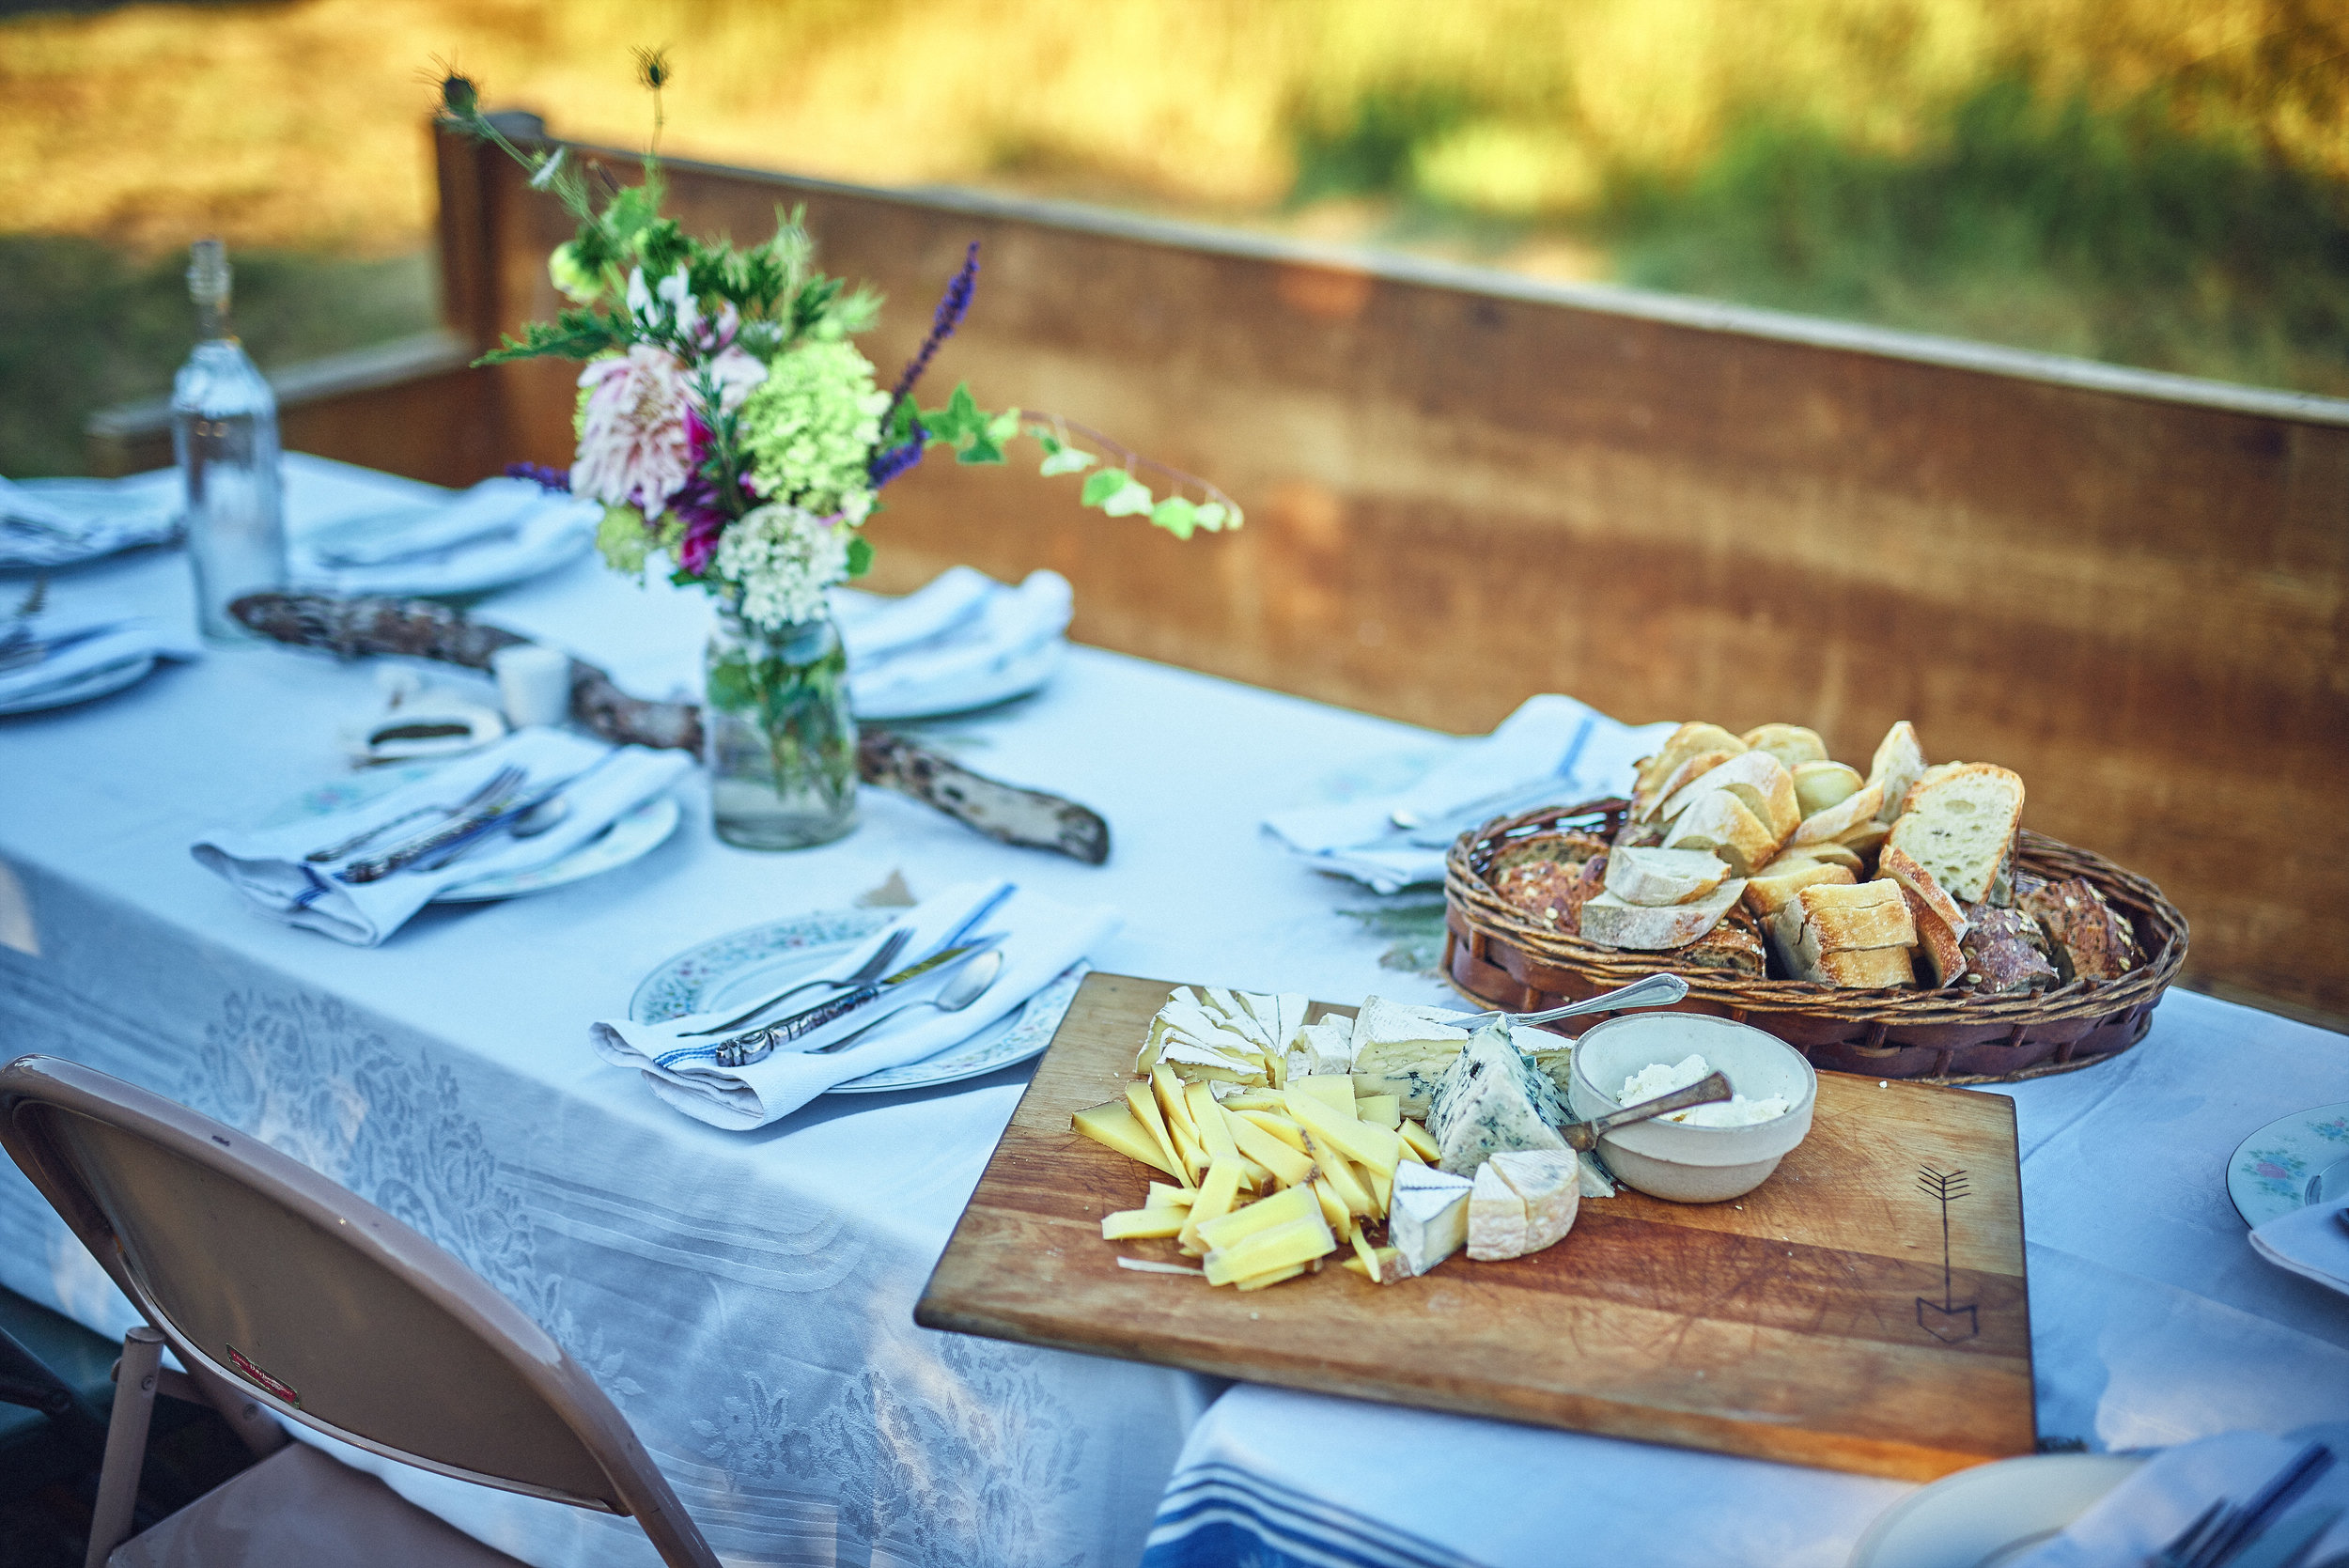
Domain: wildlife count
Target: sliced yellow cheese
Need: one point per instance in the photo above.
(1112, 1126)
(1288, 1166)
(1334, 1090)
(1252, 1099)
(1295, 1203)
(1412, 1155)
(1332, 1206)
(1374, 1147)
(1347, 1182)
(1271, 1277)
(1145, 1110)
(1214, 1201)
(1422, 1140)
(1382, 1185)
(1164, 1196)
(1126, 1224)
(1278, 1127)
(1168, 1091)
(1379, 1111)
(1389, 1265)
(1215, 1132)
(1295, 1241)
(1364, 1251)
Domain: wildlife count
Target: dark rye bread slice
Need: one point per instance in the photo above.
(2088, 938)
(2001, 952)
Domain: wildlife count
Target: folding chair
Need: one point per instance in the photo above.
(280, 1292)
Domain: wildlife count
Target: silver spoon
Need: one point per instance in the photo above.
(957, 994)
(870, 971)
(1655, 991)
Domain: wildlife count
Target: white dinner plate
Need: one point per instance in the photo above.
(1992, 1514)
(82, 688)
(632, 836)
(2269, 1173)
(738, 969)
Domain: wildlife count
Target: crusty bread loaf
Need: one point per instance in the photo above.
(2002, 951)
(1936, 944)
(1840, 817)
(1757, 778)
(1903, 868)
(1863, 839)
(1821, 784)
(1959, 823)
(1689, 740)
(1864, 968)
(1768, 890)
(1856, 914)
(1686, 773)
(1898, 761)
(1792, 744)
(2087, 938)
(1664, 877)
(1722, 823)
(1824, 854)
(1611, 923)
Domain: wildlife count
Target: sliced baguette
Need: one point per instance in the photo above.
(1840, 817)
(1821, 784)
(1865, 969)
(1659, 877)
(1768, 889)
(1936, 944)
(1960, 825)
(1898, 761)
(1611, 923)
(1903, 868)
(1722, 823)
(1758, 779)
(1648, 790)
(1792, 744)
(1824, 854)
(1863, 838)
(1861, 914)
(1682, 776)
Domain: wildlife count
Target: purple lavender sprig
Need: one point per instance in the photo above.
(557, 480)
(891, 462)
(952, 306)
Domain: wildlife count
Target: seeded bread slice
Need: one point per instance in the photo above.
(1840, 819)
(1688, 740)
(1611, 923)
(1792, 744)
(1960, 826)
(1664, 877)
(1898, 761)
(1722, 823)
(1758, 779)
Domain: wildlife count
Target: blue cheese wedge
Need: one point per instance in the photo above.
(1428, 1217)
(1492, 1099)
(1398, 1050)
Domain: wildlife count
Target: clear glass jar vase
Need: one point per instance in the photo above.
(777, 733)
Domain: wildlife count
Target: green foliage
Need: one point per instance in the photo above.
(1371, 147)
(623, 540)
(578, 334)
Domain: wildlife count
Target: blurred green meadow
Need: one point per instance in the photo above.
(2142, 182)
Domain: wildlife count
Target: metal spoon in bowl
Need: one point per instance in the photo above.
(953, 997)
(1655, 991)
(1584, 1136)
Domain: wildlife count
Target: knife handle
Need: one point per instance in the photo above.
(756, 1045)
(376, 868)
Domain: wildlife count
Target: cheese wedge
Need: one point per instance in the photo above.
(1262, 1213)
(1278, 1125)
(1492, 1099)
(1496, 1222)
(1289, 1167)
(1358, 1141)
(1421, 1142)
(1216, 1195)
(1335, 1090)
(1429, 1221)
(1550, 1186)
(1383, 1266)
(1271, 1277)
(1112, 1126)
(1369, 1257)
(1164, 1196)
(1379, 1111)
(1128, 1224)
(1347, 1182)
(1389, 1040)
(1295, 1242)
(1146, 1108)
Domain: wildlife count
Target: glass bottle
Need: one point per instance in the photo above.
(224, 434)
(777, 733)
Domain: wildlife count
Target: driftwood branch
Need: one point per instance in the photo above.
(423, 629)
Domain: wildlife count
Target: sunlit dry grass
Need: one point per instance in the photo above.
(301, 124)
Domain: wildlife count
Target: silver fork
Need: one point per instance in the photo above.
(868, 971)
(498, 784)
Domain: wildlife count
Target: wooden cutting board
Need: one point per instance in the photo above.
(1812, 1321)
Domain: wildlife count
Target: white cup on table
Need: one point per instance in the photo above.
(533, 684)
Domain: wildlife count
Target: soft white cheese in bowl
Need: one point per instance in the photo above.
(1689, 1161)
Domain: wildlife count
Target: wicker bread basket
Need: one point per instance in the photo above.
(1497, 955)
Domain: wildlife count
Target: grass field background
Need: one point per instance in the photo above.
(2156, 183)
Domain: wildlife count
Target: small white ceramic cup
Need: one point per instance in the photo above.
(1673, 1160)
(534, 683)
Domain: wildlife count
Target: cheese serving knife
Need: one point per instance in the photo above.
(1584, 1136)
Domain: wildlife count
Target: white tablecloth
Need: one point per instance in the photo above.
(746, 1298)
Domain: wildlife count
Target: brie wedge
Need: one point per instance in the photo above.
(1496, 1226)
(1547, 1182)
(1429, 1219)
(1490, 1100)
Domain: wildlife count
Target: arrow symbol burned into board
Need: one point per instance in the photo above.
(1948, 1320)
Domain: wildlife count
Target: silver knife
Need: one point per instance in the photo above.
(740, 1051)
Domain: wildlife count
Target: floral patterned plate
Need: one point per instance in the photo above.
(738, 967)
(2269, 1174)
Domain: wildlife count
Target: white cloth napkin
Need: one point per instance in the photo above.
(1043, 937)
(960, 641)
(1552, 750)
(56, 523)
(2313, 1242)
(115, 639)
(2143, 1514)
(266, 864)
(497, 531)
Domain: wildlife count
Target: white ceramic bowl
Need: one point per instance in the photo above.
(1671, 1159)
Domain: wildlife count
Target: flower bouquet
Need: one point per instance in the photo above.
(728, 423)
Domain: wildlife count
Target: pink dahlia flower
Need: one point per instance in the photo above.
(634, 447)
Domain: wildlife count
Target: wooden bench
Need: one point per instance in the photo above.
(1464, 487)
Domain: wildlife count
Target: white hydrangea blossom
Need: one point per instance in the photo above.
(783, 558)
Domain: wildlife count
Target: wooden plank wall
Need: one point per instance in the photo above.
(1464, 492)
